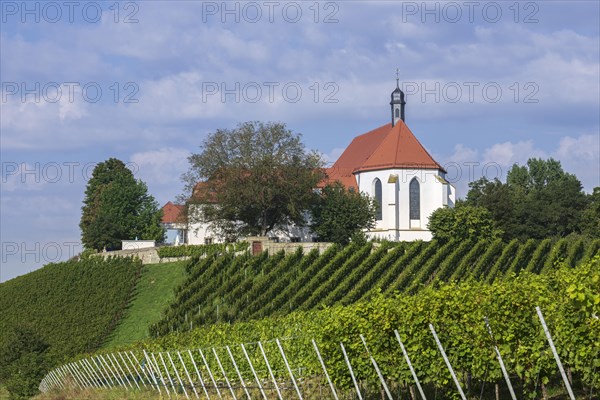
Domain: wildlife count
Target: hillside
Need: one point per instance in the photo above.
(154, 292)
(567, 295)
(74, 306)
(226, 288)
(78, 307)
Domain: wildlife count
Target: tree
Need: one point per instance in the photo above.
(341, 214)
(538, 200)
(591, 215)
(252, 178)
(462, 222)
(117, 207)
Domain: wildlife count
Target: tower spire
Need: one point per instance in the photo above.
(397, 102)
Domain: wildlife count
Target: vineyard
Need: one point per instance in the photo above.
(74, 305)
(469, 339)
(228, 288)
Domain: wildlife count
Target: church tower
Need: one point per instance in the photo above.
(397, 102)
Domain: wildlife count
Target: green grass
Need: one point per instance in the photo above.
(154, 292)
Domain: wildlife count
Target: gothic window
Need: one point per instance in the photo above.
(415, 199)
(378, 198)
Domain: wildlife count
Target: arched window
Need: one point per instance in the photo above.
(377, 195)
(415, 199)
(397, 113)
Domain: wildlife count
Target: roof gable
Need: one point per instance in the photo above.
(172, 213)
(386, 147)
(399, 149)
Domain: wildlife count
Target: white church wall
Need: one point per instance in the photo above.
(396, 223)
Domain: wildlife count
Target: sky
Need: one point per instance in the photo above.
(488, 85)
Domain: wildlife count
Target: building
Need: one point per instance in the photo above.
(389, 164)
(393, 167)
(175, 223)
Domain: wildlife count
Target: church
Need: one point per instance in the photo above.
(390, 165)
(393, 167)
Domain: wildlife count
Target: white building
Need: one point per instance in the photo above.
(392, 166)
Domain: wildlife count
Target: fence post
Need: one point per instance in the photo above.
(439, 344)
(92, 376)
(110, 380)
(177, 375)
(162, 360)
(114, 371)
(237, 370)
(139, 365)
(95, 374)
(499, 357)
(188, 375)
(224, 374)
(198, 373)
(412, 370)
(154, 369)
(212, 378)
(556, 357)
(135, 368)
(335, 396)
(288, 368)
(128, 370)
(121, 369)
(253, 372)
(262, 350)
(351, 371)
(385, 386)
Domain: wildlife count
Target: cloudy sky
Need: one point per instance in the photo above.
(488, 84)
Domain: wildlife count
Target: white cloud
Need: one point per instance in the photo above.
(585, 148)
(506, 154)
(161, 166)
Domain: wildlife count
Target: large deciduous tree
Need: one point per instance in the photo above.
(251, 179)
(117, 207)
(340, 214)
(538, 200)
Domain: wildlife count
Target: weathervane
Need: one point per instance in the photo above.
(397, 77)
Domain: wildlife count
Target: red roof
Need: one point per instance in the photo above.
(386, 147)
(172, 213)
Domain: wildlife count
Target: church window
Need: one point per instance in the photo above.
(378, 198)
(415, 199)
(397, 113)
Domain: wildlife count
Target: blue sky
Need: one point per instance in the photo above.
(488, 84)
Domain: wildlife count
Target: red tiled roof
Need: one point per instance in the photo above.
(386, 147)
(172, 213)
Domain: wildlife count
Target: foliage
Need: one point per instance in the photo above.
(117, 207)
(462, 222)
(538, 200)
(568, 297)
(340, 213)
(200, 250)
(223, 287)
(252, 178)
(73, 306)
(591, 215)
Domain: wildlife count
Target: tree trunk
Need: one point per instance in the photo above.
(570, 375)
(412, 392)
(497, 391)
(544, 392)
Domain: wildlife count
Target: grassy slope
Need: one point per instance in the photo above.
(154, 292)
